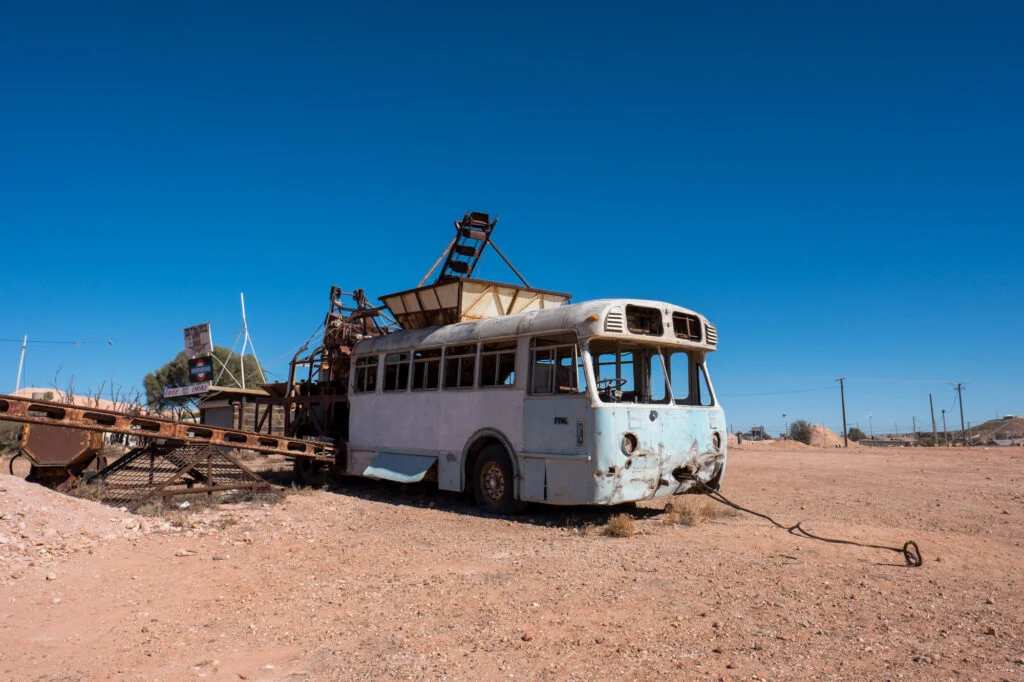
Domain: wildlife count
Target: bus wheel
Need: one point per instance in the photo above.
(306, 470)
(493, 482)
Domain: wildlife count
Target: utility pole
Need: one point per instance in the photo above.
(913, 421)
(842, 400)
(21, 363)
(945, 433)
(960, 399)
(871, 429)
(935, 436)
(787, 425)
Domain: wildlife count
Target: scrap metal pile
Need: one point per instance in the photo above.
(64, 444)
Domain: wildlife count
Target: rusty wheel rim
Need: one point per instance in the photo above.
(492, 482)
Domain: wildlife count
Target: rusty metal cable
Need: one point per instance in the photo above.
(910, 551)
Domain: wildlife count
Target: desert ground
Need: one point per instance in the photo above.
(362, 580)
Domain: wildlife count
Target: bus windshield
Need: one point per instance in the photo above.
(648, 374)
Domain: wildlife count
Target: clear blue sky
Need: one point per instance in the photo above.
(838, 188)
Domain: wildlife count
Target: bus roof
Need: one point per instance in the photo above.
(619, 318)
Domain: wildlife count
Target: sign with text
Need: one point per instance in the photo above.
(200, 370)
(198, 340)
(183, 391)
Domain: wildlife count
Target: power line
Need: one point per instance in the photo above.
(803, 390)
(71, 343)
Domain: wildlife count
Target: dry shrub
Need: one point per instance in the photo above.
(88, 491)
(269, 495)
(620, 526)
(153, 508)
(692, 512)
(578, 525)
(171, 509)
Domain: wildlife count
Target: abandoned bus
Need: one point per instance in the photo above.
(601, 402)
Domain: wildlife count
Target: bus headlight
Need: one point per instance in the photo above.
(629, 443)
(716, 440)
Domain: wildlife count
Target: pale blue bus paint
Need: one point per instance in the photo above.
(674, 448)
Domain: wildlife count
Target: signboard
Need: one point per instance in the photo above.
(200, 370)
(182, 391)
(198, 340)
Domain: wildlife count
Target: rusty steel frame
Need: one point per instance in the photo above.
(28, 411)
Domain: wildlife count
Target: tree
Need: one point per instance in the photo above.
(855, 434)
(800, 431)
(175, 373)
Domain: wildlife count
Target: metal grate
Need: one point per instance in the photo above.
(712, 334)
(615, 321)
(166, 470)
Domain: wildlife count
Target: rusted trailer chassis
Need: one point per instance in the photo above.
(107, 421)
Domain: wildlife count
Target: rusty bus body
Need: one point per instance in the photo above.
(594, 403)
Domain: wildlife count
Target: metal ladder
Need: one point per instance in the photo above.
(473, 233)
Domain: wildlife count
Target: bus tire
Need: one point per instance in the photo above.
(494, 482)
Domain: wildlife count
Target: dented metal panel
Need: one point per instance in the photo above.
(668, 458)
(399, 468)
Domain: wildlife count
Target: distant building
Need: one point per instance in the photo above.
(245, 409)
(57, 396)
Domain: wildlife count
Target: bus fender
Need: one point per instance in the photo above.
(476, 442)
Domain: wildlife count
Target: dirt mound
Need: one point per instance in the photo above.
(38, 525)
(822, 437)
(732, 440)
(778, 442)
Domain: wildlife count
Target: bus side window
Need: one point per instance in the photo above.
(498, 363)
(704, 389)
(568, 376)
(460, 366)
(396, 371)
(426, 369)
(657, 388)
(679, 372)
(366, 374)
(556, 366)
(543, 370)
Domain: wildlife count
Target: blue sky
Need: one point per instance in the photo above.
(837, 187)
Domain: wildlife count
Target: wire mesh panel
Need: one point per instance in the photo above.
(164, 470)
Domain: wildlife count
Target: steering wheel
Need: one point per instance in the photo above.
(611, 383)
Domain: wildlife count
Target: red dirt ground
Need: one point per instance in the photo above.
(372, 581)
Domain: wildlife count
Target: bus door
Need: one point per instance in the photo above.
(555, 459)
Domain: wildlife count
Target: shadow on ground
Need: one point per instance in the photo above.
(427, 495)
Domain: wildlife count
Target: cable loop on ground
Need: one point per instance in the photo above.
(910, 551)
